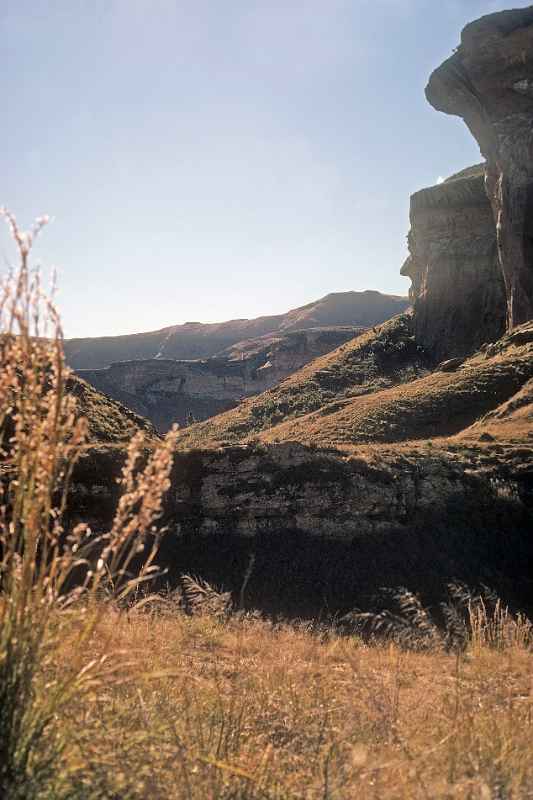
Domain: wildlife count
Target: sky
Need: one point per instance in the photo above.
(205, 160)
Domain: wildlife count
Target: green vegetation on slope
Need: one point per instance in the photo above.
(379, 358)
(438, 404)
(108, 420)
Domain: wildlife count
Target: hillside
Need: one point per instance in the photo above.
(166, 391)
(439, 404)
(110, 422)
(199, 340)
(378, 388)
(377, 359)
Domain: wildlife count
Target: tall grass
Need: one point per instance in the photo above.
(55, 584)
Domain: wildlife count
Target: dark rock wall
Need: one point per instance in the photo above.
(489, 83)
(457, 289)
(328, 529)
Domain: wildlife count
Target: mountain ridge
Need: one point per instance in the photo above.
(192, 340)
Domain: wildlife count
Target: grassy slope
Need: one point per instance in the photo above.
(381, 357)
(513, 420)
(358, 402)
(109, 421)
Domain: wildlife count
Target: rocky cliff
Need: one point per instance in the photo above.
(328, 528)
(457, 288)
(167, 391)
(488, 82)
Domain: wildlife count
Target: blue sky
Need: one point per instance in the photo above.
(205, 160)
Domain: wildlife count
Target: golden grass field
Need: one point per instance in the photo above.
(202, 708)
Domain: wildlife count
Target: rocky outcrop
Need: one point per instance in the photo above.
(457, 290)
(167, 391)
(488, 82)
(327, 528)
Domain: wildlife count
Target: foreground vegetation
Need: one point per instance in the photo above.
(107, 693)
(205, 708)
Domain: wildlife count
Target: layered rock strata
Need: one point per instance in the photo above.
(457, 290)
(488, 82)
(327, 528)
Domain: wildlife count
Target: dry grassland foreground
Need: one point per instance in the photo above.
(246, 708)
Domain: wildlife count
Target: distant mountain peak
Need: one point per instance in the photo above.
(204, 340)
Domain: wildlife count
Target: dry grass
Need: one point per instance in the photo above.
(53, 580)
(381, 357)
(440, 404)
(108, 421)
(249, 709)
(351, 397)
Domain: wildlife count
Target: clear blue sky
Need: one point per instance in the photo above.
(205, 160)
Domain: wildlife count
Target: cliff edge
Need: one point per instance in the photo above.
(457, 290)
(488, 82)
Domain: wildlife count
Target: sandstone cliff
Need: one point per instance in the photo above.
(327, 528)
(457, 288)
(488, 82)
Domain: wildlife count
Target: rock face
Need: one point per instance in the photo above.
(327, 529)
(457, 290)
(167, 391)
(489, 83)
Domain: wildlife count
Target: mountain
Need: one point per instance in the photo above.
(404, 456)
(204, 340)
